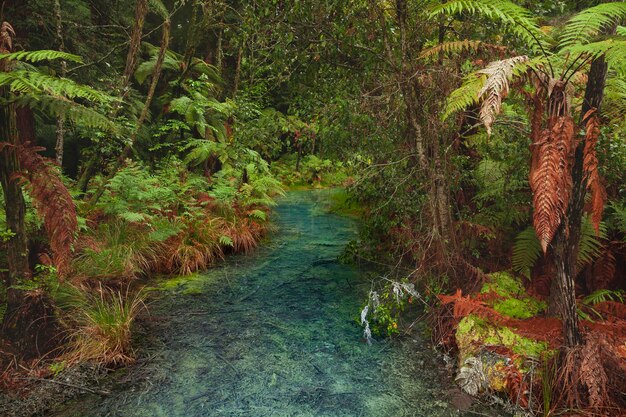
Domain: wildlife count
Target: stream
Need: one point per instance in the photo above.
(275, 333)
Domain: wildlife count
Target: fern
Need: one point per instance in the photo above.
(615, 97)
(583, 27)
(258, 214)
(466, 95)
(496, 87)
(526, 251)
(457, 47)
(42, 55)
(226, 241)
(603, 295)
(613, 50)
(516, 20)
(590, 245)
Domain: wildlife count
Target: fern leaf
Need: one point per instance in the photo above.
(583, 27)
(613, 50)
(496, 87)
(41, 55)
(515, 19)
(457, 47)
(466, 95)
(590, 245)
(550, 179)
(226, 241)
(526, 251)
(52, 201)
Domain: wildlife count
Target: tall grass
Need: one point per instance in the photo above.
(99, 323)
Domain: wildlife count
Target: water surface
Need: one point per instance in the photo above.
(275, 334)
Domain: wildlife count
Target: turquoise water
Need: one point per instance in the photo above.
(274, 334)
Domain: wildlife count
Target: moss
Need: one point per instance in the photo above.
(504, 284)
(516, 303)
(184, 284)
(474, 332)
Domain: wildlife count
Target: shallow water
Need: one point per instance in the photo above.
(275, 334)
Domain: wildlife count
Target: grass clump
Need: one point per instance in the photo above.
(98, 323)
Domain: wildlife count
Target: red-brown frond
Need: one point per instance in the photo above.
(52, 201)
(550, 180)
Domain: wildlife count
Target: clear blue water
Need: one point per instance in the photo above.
(274, 334)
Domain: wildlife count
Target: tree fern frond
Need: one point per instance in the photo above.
(60, 107)
(620, 30)
(613, 49)
(42, 55)
(36, 83)
(590, 245)
(583, 27)
(526, 251)
(466, 95)
(516, 19)
(159, 8)
(145, 69)
(496, 87)
(458, 47)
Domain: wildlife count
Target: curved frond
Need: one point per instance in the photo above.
(35, 83)
(516, 19)
(526, 251)
(613, 49)
(42, 55)
(496, 87)
(466, 95)
(456, 47)
(583, 27)
(590, 245)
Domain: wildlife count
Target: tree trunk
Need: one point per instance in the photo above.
(141, 11)
(567, 238)
(60, 133)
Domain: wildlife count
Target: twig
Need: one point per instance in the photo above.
(67, 384)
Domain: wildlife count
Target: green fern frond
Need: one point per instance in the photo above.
(526, 251)
(516, 19)
(583, 27)
(258, 214)
(466, 95)
(590, 245)
(620, 30)
(615, 98)
(35, 83)
(159, 8)
(613, 49)
(42, 55)
(71, 111)
(600, 296)
(226, 241)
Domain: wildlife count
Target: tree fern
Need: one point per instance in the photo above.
(583, 27)
(526, 251)
(516, 19)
